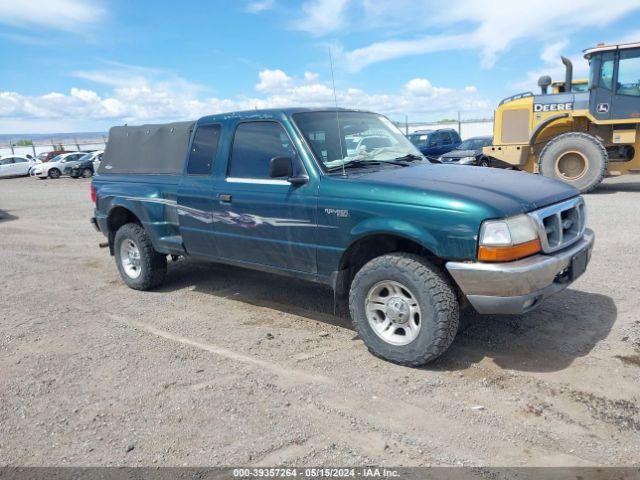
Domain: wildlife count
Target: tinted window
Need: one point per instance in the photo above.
(419, 139)
(254, 145)
(6, 161)
(445, 138)
(203, 149)
(629, 73)
(606, 74)
(20, 160)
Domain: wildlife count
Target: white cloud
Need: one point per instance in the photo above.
(65, 15)
(142, 99)
(488, 26)
(390, 49)
(320, 17)
(273, 80)
(259, 6)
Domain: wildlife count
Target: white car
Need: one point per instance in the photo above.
(57, 166)
(16, 166)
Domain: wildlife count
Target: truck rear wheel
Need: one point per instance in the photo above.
(404, 309)
(576, 158)
(140, 266)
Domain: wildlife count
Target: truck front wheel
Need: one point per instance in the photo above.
(140, 266)
(404, 309)
(576, 158)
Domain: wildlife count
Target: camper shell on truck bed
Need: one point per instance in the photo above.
(408, 242)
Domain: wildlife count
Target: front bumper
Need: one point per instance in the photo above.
(520, 286)
(39, 174)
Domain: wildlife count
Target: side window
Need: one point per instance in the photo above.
(6, 161)
(629, 74)
(606, 74)
(19, 160)
(446, 138)
(254, 145)
(203, 149)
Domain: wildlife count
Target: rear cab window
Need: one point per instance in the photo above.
(203, 149)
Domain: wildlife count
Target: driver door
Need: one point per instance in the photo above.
(262, 220)
(602, 89)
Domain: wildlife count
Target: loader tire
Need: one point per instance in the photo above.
(576, 158)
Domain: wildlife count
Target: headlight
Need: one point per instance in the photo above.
(467, 160)
(508, 239)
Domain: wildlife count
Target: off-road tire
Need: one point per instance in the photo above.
(589, 146)
(153, 265)
(436, 298)
(54, 173)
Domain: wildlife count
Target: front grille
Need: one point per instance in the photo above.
(561, 224)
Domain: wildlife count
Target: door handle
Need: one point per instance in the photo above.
(224, 197)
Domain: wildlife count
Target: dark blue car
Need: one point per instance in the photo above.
(433, 143)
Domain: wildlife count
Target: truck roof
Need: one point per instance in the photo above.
(273, 112)
(605, 48)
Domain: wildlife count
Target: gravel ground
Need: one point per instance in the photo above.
(223, 366)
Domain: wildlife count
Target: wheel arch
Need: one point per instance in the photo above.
(118, 216)
(370, 245)
(548, 122)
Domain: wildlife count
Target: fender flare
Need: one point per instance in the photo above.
(394, 227)
(544, 124)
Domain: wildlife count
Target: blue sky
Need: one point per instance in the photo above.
(84, 65)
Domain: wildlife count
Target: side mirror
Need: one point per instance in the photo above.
(280, 167)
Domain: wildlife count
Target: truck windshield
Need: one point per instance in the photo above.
(342, 137)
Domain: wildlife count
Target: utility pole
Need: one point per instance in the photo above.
(406, 124)
(77, 144)
(459, 125)
(11, 145)
(33, 147)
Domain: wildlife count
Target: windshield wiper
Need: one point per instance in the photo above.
(354, 163)
(410, 157)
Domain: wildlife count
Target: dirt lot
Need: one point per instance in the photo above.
(224, 366)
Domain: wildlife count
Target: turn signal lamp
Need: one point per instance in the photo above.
(509, 239)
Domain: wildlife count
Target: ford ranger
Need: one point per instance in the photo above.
(289, 191)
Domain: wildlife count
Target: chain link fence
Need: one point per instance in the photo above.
(34, 146)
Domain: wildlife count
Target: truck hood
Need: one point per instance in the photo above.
(506, 192)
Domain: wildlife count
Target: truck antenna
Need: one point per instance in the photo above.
(335, 100)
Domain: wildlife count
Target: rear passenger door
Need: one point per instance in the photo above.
(261, 220)
(445, 142)
(21, 166)
(196, 194)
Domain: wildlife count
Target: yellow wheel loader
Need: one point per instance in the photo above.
(577, 137)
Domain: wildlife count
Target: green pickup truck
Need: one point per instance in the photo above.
(342, 198)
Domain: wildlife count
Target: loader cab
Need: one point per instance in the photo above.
(614, 81)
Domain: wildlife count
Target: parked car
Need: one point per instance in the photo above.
(469, 152)
(16, 166)
(46, 156)
(408, 242)
(87, 165)
(433, 143)
(57, 166)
